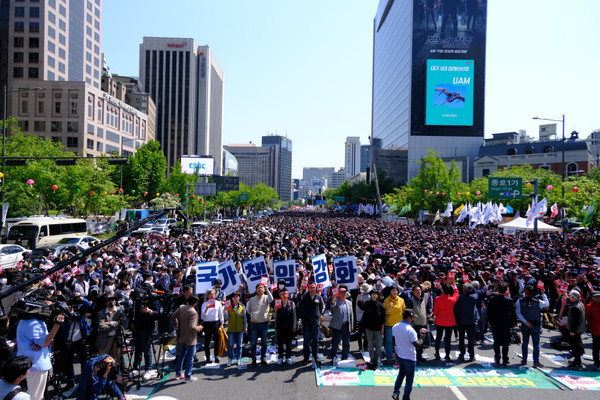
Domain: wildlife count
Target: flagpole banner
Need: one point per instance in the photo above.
(458, 377)
(577, 380)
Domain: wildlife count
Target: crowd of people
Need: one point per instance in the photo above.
(452, 280)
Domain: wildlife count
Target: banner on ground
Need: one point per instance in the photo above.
(229, 278)
(386, 376)
(255, 269)
(345, 271)
(574, 380)
(285, 270)
(206, 273)
(320, 271)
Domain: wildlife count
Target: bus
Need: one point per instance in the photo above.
(44, 231)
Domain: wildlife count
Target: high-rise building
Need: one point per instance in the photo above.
(186, 83)
(429, 78)
(51, 62)
(284, 164)
(255, 163)
(352, 156)
(338, 178)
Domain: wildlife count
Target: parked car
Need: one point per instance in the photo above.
(217, 221)
(10, 255)
(83, 241)
(199, 224)
(161, 229)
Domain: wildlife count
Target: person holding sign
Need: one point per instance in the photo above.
(237, 325)
(394, 307)
(285, 326)
(310, 310)
(258, 309)
(341, 324)
(212, 321)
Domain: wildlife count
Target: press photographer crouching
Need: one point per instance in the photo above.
(98, 377)
(13, 372)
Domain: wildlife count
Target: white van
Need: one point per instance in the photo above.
(44, 231)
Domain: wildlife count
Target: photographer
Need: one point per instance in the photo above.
(72, 339)
(13, 372)
(33, 340)
(145, 313)
(111, 322)
(97, 377)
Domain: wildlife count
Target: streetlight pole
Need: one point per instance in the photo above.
(562, 168)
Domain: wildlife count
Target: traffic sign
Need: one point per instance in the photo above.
(205, 189)
(505, 188)
(244, 196)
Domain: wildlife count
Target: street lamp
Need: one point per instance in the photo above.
(562, 210)
(6, 91)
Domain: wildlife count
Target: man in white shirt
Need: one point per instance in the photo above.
(406, 343)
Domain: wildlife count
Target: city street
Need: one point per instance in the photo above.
(299, 382)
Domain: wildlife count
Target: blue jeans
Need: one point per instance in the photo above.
(344, 334)
(185, 353)
(235, 338)
(311, 340)
(406, 370)
(143, 345)
(534, 332)
(259, 329)
(389, 344)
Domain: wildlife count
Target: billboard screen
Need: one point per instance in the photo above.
(450, 36)
(449, 92)
(203, 165)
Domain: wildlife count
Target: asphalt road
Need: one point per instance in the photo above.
(299, 382)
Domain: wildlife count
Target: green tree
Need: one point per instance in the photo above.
(145, 172)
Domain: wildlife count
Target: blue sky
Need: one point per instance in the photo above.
(303, 68)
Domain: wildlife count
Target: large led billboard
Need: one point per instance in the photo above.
(449, 96)
(202, 165)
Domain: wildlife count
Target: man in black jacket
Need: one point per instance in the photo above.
(310, 309)
(501, 318)
(465, 314)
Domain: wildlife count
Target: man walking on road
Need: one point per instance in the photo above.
(406, 343)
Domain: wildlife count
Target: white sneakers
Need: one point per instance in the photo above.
(229, 362)
(239, 362)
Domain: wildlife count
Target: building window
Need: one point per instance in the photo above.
(24, 125)
(24, 107)
(34, 58)
(572, 169)
(61, 67)
(34, 27)
(39, 126)
(52, 3)
(62, 53)
(51, 17)
(99, 146)
(34, 43)
(73, 108)
(51, 47)
(55, 126)
(57, 107)
(40, 108)
(51, 76)
(19, 12)
(18, 57)
(51, 62)
(18, 72)
(34, 73)
(90, 144)
(56, 139)
(62, 10)
(62, 39)
(19, 26)
(19, 42)
(72, 126)
(34, 12)
(72, 141)
(62, 25)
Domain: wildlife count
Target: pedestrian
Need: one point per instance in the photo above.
(592, 315)
(258, 309)
(394, 307)
(420, 303)
(373, 320)
(529, 312)
(443, 317)
(285, 326)
(406, 342)
(310, 311)
(501, 318)
(236, 327)
(576, 326)
(185, 321)
(212, 321)
(341, 324)
(466, 316)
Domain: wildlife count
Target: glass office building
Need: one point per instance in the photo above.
(428, 79)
